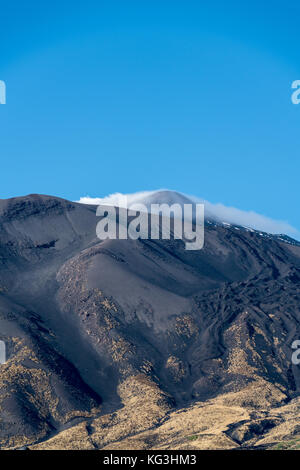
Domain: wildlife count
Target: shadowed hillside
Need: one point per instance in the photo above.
(91, 327)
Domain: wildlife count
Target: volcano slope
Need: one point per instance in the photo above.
(141, 343)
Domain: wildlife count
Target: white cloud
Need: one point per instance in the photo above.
(116, 199)
(218, 212)
(248, 218)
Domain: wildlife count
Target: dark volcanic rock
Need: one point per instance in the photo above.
(79, 315)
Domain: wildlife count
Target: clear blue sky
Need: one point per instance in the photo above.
(136, 95)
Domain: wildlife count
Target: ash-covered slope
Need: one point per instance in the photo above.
(81, 316)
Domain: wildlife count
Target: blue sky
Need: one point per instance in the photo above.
(118, 96)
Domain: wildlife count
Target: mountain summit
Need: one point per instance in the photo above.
(218, 213)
